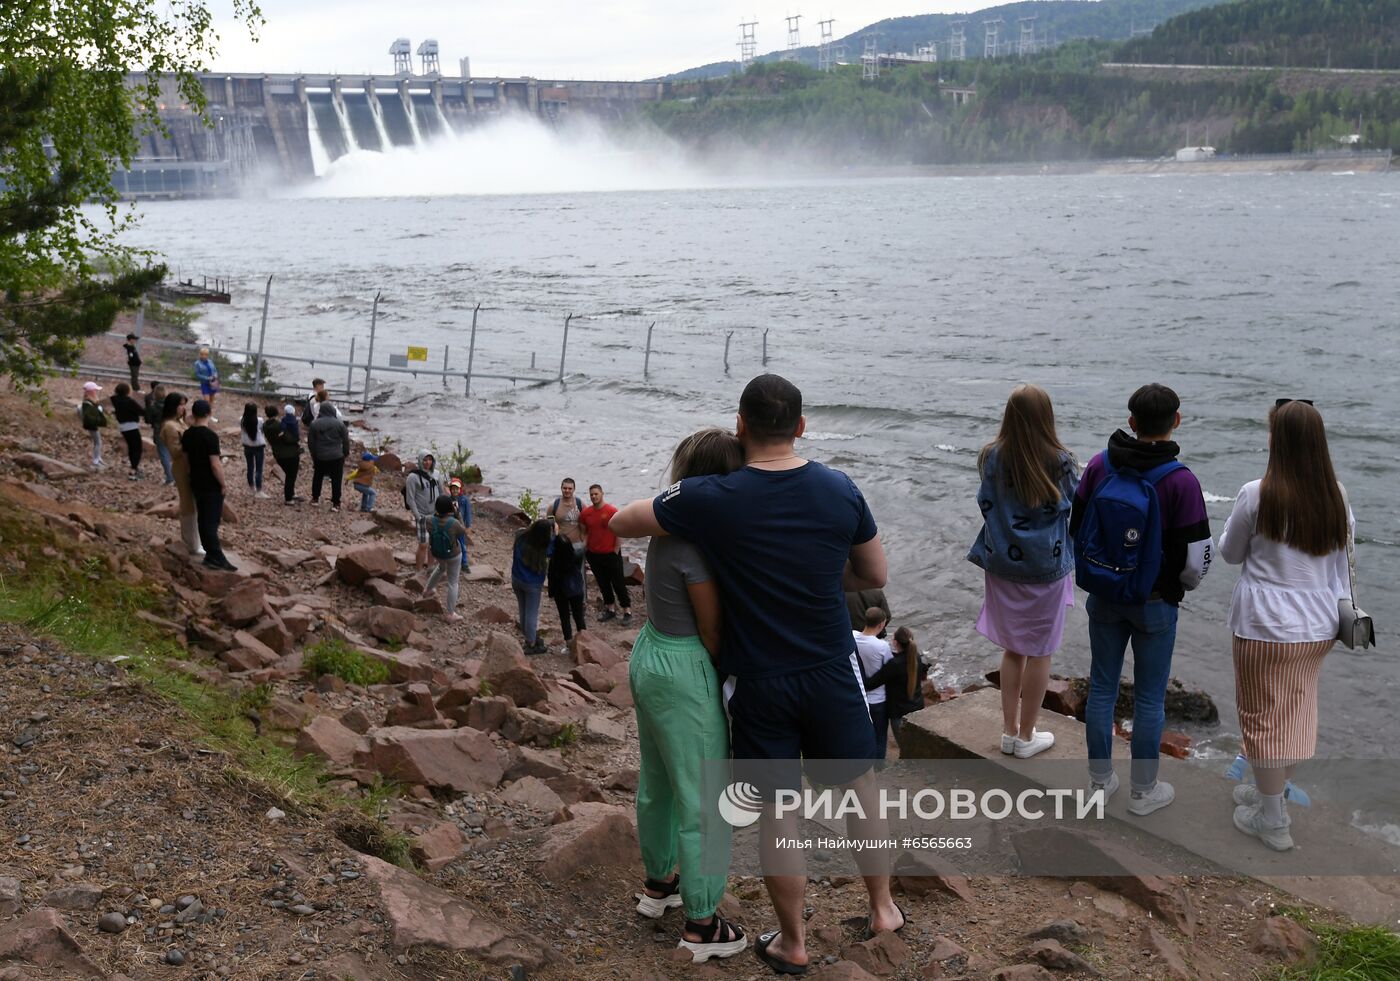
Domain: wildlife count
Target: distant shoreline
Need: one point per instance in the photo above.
(1372, 162)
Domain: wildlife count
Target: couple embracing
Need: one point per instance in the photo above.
(752, 552)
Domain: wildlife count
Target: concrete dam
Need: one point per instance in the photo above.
(265, 129)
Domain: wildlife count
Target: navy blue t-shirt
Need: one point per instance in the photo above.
(777, 542)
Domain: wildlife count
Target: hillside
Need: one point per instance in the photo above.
(1056, 21)
(1333, 34)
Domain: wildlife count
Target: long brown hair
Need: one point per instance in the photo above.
(710, 451)
(1029, 453)
(1300, 501)
(904, 637)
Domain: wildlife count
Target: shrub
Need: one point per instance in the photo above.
(352, 666)
(530, 504)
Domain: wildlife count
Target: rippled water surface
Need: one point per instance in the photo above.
(905, 310)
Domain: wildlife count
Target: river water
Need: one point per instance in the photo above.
(905, 310)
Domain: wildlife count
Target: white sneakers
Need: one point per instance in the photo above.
(1039, 742)
(1146, 801)
(1251, 820)
(654, 907)
(1008, 743)
(1247, 794)
(1109, 788)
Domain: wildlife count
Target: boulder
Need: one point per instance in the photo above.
(573, 788)
(924, 873)
(588, 648)
(506, 669)
(525, 761)
(390, 463)
(633, 573)
(1283, 939)
(881, 955)
(407, 664)
(241, 659)
(243, 604)
(287, 559)
(394, 520)
(464, 760)
(48, 466)
(429, 605)
(357, 721)
(481, 572)
(298, 621)
(421, 915)
(593, 677)
(249, 642)
(600, 728)
(843, 971)
(488, 713)
(271, 632)
(1168, 952)
(80, 897)
(437, 845)
(593, 835)
(534, 794)
(1062, 696)
(459, 695)
(1175, 744)
(414, 706)
(1057, 957)
(524, 725)
(494, 614)
(386, 623)
(622, 780)
(40, 938)
(11, 896)
(357, 564)
(385, 593)
(331, 739)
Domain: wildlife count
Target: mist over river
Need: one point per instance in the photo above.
(905, 309)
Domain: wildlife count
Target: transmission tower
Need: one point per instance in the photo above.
(748, 44)
(402, 50)
(927, 52)
(870, 60)
(957, 42)
(824, 61)
(992, 41)
(794, 38)
(1027, 43)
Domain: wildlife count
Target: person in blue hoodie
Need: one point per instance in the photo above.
(1024, 550)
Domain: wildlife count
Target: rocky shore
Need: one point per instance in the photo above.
(302, 771)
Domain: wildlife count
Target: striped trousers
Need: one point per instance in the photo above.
(1276, 693)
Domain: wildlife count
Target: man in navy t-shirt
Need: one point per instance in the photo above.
(786, 538)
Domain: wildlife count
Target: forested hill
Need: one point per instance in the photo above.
(1316, 33)
(1056, 21)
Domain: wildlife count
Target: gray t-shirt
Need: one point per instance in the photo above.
(672, 564)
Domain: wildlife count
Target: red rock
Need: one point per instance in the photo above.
(489, 712)
(390, 463)
(437, 846)
(506, 669)
(1056, 956)
(421, 915)
(573, 788)
(594, 677)
(330, 739)
(41, 938)
(1061, 696)
(329, 684)
(594, 835)
(588, 648)
(405, 665)
(524, 725)
(386, 623)
(620, 697)
(460, 694)
(357, 564)
(430, 605)
(524, 761)
(79, 897)
(1176, 744)
(922, 873)
(881, 955)
(532, 793)
(247, 641)
(298, 620)
(385, 593)
(415, 705)
(622, 780)
(357, 721)
(243, 604)
(823, 926)
(1022, 972)
(1168, 953)
(48, 466)
(494, 614)
(844, 971)
(271, 632)
(1283, 939)
(242, 659)
(633, 573)
(464, 760)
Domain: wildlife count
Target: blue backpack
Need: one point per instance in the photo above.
(1118, 547)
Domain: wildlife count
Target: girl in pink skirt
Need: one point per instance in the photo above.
(1024, 551)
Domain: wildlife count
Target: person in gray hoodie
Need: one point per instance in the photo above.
(420, 493)
(329, 443)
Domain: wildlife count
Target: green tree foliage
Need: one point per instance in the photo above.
(1287, 33)
(71, 108)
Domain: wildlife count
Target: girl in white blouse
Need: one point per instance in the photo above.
(1290, 532)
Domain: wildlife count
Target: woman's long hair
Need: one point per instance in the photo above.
(1029, 453)
(904, 637)
(250, 420)
(534, 543)
(170, 409)
(710, 451)
(1300, 501)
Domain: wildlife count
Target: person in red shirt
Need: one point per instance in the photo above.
(604, 553)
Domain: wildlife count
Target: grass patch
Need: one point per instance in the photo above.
(354, 667)
(566, 736)
(1346, 953)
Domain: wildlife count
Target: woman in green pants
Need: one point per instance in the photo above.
(680, 719)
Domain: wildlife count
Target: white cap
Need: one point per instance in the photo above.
(91, 387)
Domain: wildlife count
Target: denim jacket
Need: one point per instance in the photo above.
(1021, 544)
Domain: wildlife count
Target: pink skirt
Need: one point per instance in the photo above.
(1025, 618)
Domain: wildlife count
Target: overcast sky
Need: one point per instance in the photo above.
(601, 39)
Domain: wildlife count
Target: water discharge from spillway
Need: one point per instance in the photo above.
(512, 155)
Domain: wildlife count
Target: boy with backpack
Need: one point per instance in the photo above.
(94, 419)
(1141, 540)
(443, 531)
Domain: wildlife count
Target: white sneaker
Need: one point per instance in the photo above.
(261, 495)
(1008, 743)
(1109, 789)
(1247, 795)
(1038, 743)
(1251, 821)
(1146, 801)
(654, 907)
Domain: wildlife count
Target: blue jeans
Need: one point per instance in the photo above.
(165, 462)
(253, 455)
(1151, 628)
(462, 544)
(527, 597)
(367, 495)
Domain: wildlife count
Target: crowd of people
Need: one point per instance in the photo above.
(766, 624)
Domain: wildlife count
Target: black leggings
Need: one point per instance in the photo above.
(607, 570)
(133, 447)
(289, 477)
(331, 470)
(565, 606)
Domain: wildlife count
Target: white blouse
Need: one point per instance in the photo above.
(1283, 595)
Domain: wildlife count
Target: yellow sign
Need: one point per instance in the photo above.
(418, 354)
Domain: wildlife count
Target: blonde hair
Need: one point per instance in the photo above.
(204, 352)
(1029, 454)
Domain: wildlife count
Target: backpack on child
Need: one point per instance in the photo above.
(1118, 546)
(441, 541)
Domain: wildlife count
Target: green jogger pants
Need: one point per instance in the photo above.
(680, 723)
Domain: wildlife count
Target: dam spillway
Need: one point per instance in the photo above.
(270, 129)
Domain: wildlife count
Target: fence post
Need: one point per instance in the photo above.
(369, 360)
(350, 369)
(646, 364)
(564, 350)
(471, 352)
(727, 337)
(262, 336)
(445, 351)
(765, 346)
